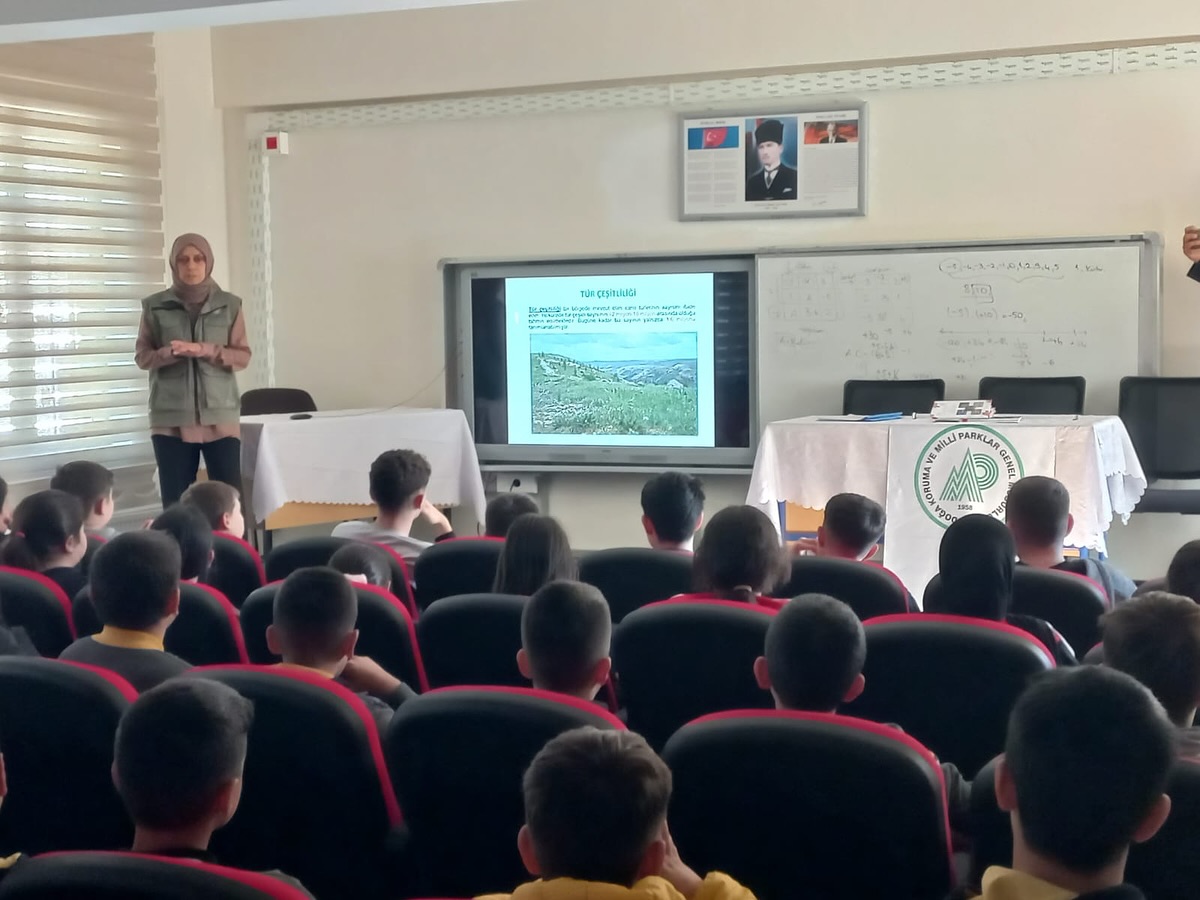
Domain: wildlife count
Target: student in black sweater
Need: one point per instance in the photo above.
(313, 629)
(48, 538)
(135, 589)
(178, 762)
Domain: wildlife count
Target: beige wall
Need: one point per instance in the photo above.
(555, 42)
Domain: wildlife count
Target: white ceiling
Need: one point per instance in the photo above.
(37, 20)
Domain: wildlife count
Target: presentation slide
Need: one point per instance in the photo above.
(605, 360)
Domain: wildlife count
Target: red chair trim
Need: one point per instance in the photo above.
(422, 679)
(472, 537)
(408, 599)
(533, 693)
(50, 584)
(904, 591)
(1108, 602)
(234, 621)
(249, 548)
(355, 703)
(856, 724)
(710, 600)
(259, 881)
(1002, 627)
(128, 691)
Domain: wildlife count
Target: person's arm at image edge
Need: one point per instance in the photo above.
(1191, 249)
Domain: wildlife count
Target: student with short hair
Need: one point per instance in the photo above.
(536, 552)
(1183, 574)
(312, 628)
(740, 557)
(93, 485)
(398, 482)
(566, 631)
(976, 560)
(672, 510)
(135, 589)
(813, 662)
(1083, 775)
(220, 504)
(1038, 512)
(852, 528)
(193, 534)
(596, 811)
(1155, 638)
(504, 509)
(363, 564)
(48, 537)
(177, 764)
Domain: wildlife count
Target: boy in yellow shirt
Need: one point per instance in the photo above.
(596, 825)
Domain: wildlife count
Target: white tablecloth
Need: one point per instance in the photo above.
(326, 459)
(806, 461)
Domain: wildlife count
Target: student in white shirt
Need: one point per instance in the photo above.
(398, 482)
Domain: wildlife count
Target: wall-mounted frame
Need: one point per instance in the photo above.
(804, 161)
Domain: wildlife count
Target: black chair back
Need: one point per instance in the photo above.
(472, 639)
(136, 876)
(868, 398)
(317, 801)
(868, 589)
(456, 566)
(1035, 396)
(286, 558)
(237, 569)
(678, 660)
(57, 725)
(386, 632)
(272, 401)
(851, 810)
(457, 757)
(948, 681)
(1072, 603)
(35, 603)
(632, 577)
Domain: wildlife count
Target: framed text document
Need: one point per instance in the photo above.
(752, 165)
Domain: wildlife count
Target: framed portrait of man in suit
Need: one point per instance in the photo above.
(807, 162)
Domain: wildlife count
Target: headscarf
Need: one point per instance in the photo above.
(976, 562)
(192, 294)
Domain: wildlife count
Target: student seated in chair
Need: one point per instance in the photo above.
(566, 630)
(672, 510)
(220, 504)
(92, 484)
(398, 482)
(740, 557)
(48, 538)
(976, 560)
(1083, 776)
(313, 629)
(813, 662)
(504, 509)
(536, 552)
(178, 761)
(1183, 574)
(363, 564)
(135, 589)
(1155, 638)
(194, 536)
(596, 825)
(1038, 514)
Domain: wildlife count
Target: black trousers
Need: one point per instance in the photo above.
(178, 463)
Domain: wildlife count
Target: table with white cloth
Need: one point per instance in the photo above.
(314, 471)
(927, 474)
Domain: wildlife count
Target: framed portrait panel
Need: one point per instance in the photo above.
(767, 165)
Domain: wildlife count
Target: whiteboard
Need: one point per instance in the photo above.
(957, 312)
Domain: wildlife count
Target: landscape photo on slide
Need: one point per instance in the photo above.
(626, 383)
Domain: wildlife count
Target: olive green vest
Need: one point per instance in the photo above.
(192, 391)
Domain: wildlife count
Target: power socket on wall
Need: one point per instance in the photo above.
(514, 483)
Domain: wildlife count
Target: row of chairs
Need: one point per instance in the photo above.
(324, 793)
(1060, 396)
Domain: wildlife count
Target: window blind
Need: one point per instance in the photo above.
(80, 244)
